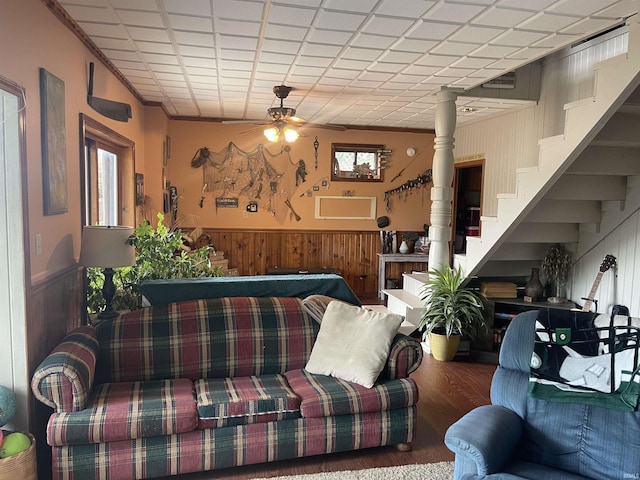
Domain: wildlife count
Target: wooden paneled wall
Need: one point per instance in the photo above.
(353, 253)
(53, 310)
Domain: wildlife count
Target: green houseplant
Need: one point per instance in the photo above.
(451, 311)
(158, 256)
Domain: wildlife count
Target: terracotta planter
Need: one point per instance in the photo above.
(443, 348)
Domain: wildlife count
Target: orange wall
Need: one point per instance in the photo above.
(32, 37)
(408, 211)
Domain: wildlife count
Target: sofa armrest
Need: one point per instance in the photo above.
(486, 436)
(405, 356)
(64, 379)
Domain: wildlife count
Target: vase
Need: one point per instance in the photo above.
(404, 248)
(443, 348)
(534, 287)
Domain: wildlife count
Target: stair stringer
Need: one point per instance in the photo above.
(615, 79)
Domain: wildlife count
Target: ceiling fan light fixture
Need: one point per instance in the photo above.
(272, 134)
(290, 134)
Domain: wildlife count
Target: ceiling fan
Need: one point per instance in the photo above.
(284, 122)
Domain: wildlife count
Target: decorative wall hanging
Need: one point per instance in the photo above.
(114, 110)
(316, 144)
(420, 181)
(316, 187)
(54, 144)
(345, 208)
(269, 179)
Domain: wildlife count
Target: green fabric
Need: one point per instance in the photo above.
(159, 292)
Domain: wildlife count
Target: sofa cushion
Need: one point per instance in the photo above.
(127, 410)
(214, 338)
(353, 343)
(224, 402)
(323, 396)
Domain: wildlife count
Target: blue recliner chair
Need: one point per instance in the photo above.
(520, 437)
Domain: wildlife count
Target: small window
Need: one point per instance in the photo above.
(356, 163)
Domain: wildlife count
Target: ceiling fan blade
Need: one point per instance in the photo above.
(245, 122)
(337, 128)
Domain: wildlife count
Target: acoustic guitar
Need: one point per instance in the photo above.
(608, 262)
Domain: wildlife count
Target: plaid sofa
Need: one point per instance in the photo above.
(207, 384)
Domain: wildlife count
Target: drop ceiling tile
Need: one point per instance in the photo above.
(493, 51)
(239, 55)
(200, 62)
(152, 47)
(236, 42)
(124, 65)
(506, 64)
(269, 57)
(140, 19)
(114, 43)
(342, 73)
(156, 67)
(285, 32)
(156, 58)
(530, 53)
(585, 7)
(281, 46)
(622, 9)
(557, 39)
(136, 75)
(518, 38)
(314, 61)
(538, 6)
(427, 30)
(548, 22)
(149, 34)
(192, 38)
(233, 9)
(269, 68)
(350, 6)
(477, 35)
(320, 50)
(587, 25)
(376, 76)
(283, 14)
(237, 27)
(186, 7)
(104, 30)
(96, 13)
(366, 54)
(413, 9)
(472, 62)
(387, 26)
(352, 64)
(225, 64)
(122, 55)
(502, 17)
(191, 24)
(423, 70)
(333, 81)
(366, 40)
(314, 72)
(392, 56)
(451, 12)
(329, 37)
(384, 67)
(453, 48)
(348, 22)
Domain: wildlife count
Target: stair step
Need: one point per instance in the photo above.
(414, 282)
(406, 327)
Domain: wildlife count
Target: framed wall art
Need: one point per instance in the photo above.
(54, 144)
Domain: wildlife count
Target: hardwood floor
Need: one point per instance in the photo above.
(448, 390)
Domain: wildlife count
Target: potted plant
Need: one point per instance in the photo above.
(158, 256)
(451, 311)
(556, 265)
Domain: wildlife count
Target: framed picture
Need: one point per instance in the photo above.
(54, 144)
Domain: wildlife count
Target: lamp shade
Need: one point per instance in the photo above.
(107, 247)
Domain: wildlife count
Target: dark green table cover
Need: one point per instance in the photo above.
(160, 292)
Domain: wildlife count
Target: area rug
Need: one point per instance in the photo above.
(428, 471)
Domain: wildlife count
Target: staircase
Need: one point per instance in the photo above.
(586, 183)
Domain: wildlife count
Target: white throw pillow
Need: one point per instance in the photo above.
(353, 343)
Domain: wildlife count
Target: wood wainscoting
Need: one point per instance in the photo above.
(353, 253)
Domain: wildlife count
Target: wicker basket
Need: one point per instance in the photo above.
(21, 466)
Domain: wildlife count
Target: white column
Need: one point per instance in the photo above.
(442, 190)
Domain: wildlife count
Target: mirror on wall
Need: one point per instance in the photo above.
(356, 162)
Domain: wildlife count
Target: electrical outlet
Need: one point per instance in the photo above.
(38, 244)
